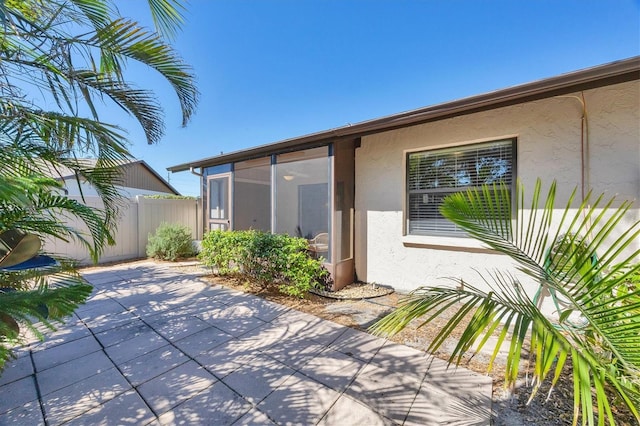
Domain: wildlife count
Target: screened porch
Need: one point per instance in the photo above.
(305, 193)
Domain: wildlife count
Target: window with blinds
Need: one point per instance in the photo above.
(432, 175)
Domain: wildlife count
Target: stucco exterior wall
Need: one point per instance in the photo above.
(548, 136)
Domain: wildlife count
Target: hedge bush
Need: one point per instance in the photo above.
(267, 259)
(170, 242)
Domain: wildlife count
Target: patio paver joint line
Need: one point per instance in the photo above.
(117, 367)
(37, 386)
(326, 357)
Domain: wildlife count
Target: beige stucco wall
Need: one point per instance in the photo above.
(549, 139)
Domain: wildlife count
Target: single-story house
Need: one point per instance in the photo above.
(136, 178)
(371, 189)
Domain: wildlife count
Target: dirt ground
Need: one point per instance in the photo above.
(359, 306)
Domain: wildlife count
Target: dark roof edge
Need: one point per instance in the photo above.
(589, 78)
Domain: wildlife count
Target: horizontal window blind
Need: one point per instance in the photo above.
(432, 175)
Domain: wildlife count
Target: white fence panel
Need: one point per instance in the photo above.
(139, 217)
(126, 236)
(154, 211)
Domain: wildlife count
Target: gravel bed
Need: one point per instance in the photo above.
(356, 291)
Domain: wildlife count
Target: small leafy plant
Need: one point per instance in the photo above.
(170, 242)
(267, 259)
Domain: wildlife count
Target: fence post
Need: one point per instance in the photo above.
(142, 246)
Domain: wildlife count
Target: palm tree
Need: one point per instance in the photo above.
(72, 53)
(583, 258)
(29, 202)
(60, 62)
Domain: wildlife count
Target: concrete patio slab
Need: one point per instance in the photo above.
(402, 359)
(432, 406)
(254, 417)
(19, 368)
(28, 413)
(73, 329)
(18, 393)
(294, 352)
(109, 321)
(176, 386)
(72, 372)
(203, 341)
(333, 369)
(300, 400)
(143, 343)
(216, 405)
(122, 333)
(357, 344)
(271, 373)
(225, 359)
(152, 364)
(99, 308)
(389, 393)
(264, 309)
(323, 332)
(156, 346)
(65, 352)
(127, 408)
(348, 411)
(235, 320)
(72, 401)
(176, 327)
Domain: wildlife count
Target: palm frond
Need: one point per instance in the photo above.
(167, 16)
(96, 11)
(39, 46)
(125, 38)
(583, 257)
(73, 53)
(43, 298)
(34, 203)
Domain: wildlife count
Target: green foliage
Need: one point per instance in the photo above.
(267, 259)
(36, 203)
(631, 277)
(74, 54)
(584, 258)
(35, 300)
(170, 242)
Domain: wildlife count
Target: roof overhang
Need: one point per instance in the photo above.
(590, 78)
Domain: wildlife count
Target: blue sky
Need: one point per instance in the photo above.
(269, 70)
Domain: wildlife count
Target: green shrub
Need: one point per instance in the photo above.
(170, 242)
(267, 259)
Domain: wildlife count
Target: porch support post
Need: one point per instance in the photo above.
(273, 193)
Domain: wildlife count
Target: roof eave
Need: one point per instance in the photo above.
(603, 75)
